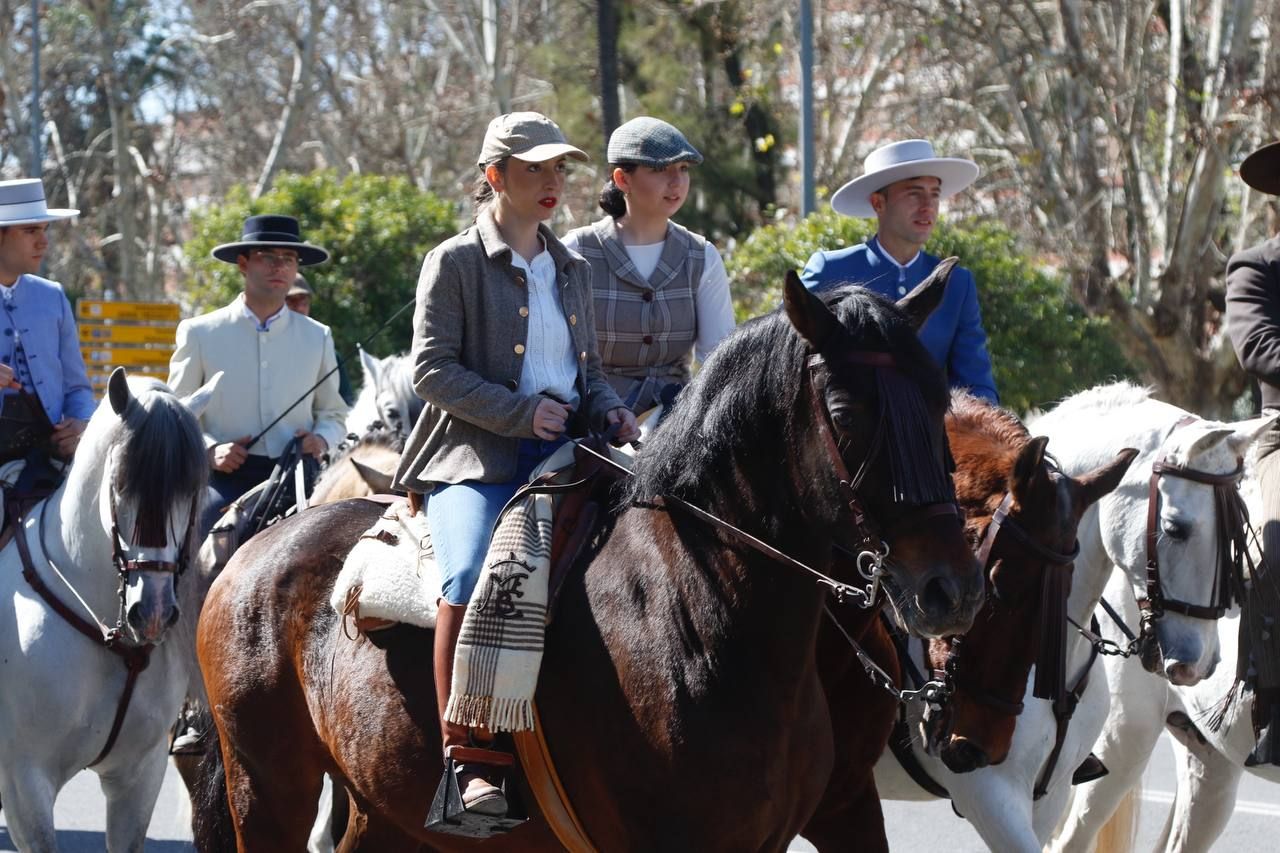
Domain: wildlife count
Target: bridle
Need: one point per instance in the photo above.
(135, 657)
(1055, 583)
(1232, 517)
(871, 549)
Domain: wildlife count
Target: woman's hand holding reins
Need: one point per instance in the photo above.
(628, 429)
(549, 419)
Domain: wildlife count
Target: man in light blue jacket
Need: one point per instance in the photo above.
(902, 187)
(40, 362)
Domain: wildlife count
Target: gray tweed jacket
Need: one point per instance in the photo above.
(470, 327)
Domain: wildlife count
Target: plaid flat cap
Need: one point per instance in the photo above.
(650, 142)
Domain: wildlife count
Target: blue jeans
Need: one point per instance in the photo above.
(461, 518)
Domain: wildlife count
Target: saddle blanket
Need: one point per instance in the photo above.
(391, 573)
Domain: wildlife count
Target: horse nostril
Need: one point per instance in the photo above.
(174, 613)
(1181, 674)
(940, 595)
(962, 756)
(134, 616)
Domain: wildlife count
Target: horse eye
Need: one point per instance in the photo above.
(1176, 530)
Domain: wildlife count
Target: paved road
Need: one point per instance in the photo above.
(912, 826)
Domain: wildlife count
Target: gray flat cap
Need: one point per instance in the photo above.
(650, 142)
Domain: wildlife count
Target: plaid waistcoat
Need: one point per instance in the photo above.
(646, 329)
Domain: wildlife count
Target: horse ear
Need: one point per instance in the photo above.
(379, 481)
(118, 391)
(1103, 481)
(369, 365)
(1027, 467)
(808, 314)
(1211, 438)
(198, 400)
(1247, 432)
(927, 295)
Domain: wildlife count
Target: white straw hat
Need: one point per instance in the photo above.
(22, 203)
(911, 158)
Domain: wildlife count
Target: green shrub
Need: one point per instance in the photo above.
(1043, 346)
(377, 230)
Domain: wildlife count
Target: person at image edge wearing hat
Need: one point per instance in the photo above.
(269, 356)
(660, 291)
(40, 361)
(1253, 323)
(902, 187)
(504, 352)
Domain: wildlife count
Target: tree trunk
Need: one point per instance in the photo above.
(607, 29)
(295, 102)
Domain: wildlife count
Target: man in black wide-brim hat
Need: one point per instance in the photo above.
(1253, 321)
(270, 357)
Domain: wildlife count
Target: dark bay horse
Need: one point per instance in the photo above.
(997, 462)
(678, 690)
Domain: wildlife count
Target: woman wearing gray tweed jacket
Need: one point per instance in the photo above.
(661, 292)
(505, 356)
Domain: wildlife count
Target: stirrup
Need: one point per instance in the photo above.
(449, 815)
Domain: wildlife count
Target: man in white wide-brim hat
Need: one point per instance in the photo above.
(46, 396)
(1253, 323)
(902, 186)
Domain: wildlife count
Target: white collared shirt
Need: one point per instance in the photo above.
(902, 268)
(549, 365)
(262, 325)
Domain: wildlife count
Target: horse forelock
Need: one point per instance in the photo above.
(160, 460)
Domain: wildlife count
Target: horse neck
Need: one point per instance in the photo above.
(739, 604)
(68, 535)
(364, 410)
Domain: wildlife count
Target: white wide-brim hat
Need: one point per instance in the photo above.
(22, 203)
(911, 158)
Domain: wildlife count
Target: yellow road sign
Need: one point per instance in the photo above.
(126, 334)
(97, 309)
(128, 356)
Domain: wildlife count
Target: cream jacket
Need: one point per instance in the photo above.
(264, 373)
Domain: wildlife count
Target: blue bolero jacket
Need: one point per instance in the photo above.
(953, 334)
(42, 317)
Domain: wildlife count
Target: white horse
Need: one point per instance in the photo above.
(1212, 728)
(386, 397)
(1085, 431)
(109, 545)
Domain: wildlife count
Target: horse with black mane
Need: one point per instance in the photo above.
(679, 659)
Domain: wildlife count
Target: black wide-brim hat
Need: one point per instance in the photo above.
(269, 231)
(1261, 169)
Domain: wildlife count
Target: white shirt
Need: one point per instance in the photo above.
(262, 325)
(549, 365)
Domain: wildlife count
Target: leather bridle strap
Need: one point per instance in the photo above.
(135, 658)
(1232, 519)
(1062, 713)
(1001, 522)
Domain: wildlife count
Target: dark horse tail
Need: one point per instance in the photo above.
(211, 826)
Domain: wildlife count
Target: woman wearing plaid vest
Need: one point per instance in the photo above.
(505, 357)
(660, 291)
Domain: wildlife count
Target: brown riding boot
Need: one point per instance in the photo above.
(479, 793)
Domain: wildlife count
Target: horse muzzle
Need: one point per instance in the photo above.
(151, 608)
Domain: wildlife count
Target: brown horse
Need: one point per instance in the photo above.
(678, 689)
(995, 457)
